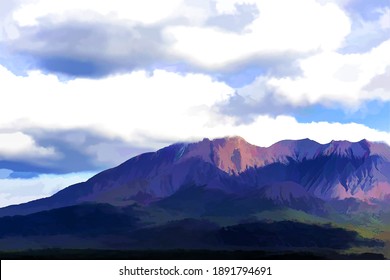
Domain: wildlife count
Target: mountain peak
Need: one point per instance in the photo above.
(234, 138)
(360, 149)
(233, 154)
(230, 154)
(226, 139)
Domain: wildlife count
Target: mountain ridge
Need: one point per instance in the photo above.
(336, 170)
(296, 149)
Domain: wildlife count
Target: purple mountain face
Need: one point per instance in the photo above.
(286, 172)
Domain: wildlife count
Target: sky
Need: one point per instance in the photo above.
(88, 84)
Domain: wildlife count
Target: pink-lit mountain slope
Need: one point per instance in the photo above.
(234, 154)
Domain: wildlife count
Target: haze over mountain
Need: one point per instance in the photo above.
(286, 172)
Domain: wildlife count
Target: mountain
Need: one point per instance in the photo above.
(285, 173)
(296, 196)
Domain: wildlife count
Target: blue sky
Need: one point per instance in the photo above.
(88, 84)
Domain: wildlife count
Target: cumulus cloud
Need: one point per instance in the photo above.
(332, 77)
(203, 35)
(146, 110)
(275, 31)
(92, 48)
(16, 191)
(122, 106)
(83, 149)
(265, 131)
(334, 80)
(20, 145)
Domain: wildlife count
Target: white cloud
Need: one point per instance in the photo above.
(282, 26)
(16, 191)
(126, 105)
(150, 110)
(330, 77)
(265, 131)
(19, 145)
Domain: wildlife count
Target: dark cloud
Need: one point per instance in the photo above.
(80, 48)
(79, 150)
(23, 175)
(25, 166)
(17, 64)
(102, 46)
(72, 67)
(93, 49)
